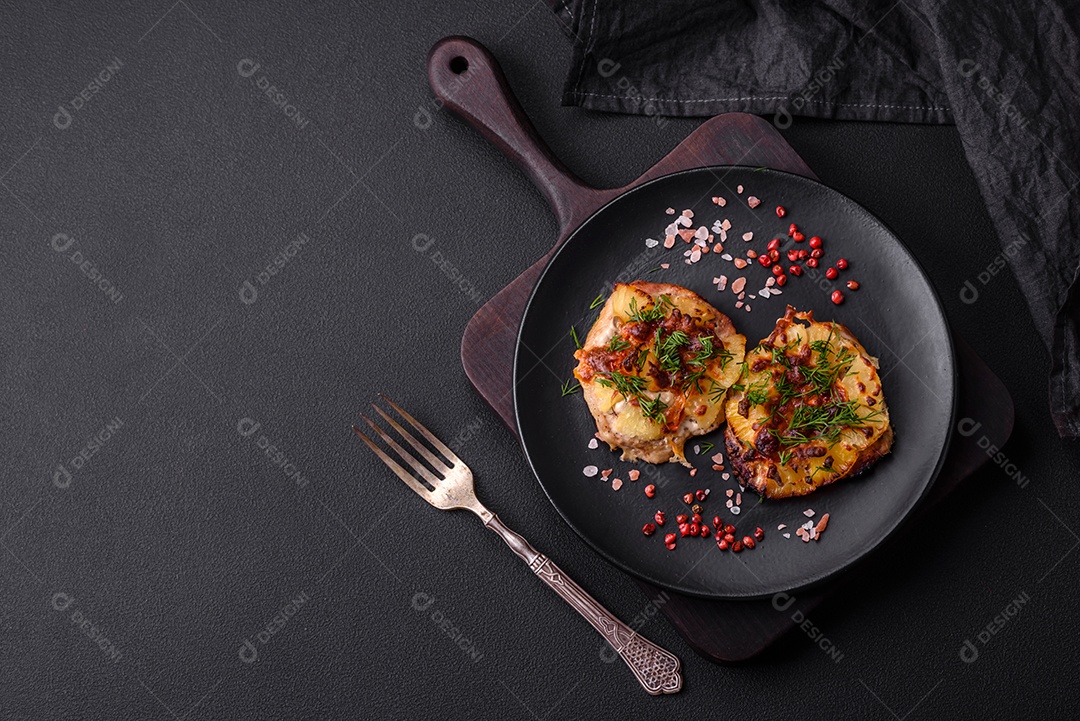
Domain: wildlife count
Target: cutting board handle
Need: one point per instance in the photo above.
(468, 80)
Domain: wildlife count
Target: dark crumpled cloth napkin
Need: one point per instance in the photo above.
(1007, 74)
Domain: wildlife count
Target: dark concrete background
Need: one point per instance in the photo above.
(178, 538)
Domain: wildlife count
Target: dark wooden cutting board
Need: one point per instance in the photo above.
(467, 79)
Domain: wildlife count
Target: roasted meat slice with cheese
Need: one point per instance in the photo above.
(807, 410)
(655, 367)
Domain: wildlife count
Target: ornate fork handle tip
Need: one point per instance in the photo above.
(656, 669)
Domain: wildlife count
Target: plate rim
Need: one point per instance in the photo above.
(819, 578)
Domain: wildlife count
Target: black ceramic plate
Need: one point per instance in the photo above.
(895, 314)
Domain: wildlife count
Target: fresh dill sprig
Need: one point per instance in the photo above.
(569, 390)
(573, 334)
(705, 448)
(653, 409)
(667, 349)
(656, 313)
(618, 344)
(628, 386)
(597, 301)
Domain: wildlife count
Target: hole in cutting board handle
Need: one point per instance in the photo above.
(458, 65)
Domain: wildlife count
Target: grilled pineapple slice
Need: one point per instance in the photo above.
(655, 367)
(807, 410)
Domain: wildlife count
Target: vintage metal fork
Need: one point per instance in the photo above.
(655, 668)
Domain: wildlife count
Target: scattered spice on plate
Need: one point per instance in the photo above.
(634, 474)
(616, 484)
(590, 471)
(753, 202)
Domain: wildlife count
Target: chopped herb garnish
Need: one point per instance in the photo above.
(573, 334)
(597, 301)
(653, 409)
(716, 391)
(650, 315)
(618, 344)
(705, 448)
(569, 390)
(825, 422)
(628, 386)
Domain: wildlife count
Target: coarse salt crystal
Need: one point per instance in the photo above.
(605, 473)
(742, 295)
(751, 254)
(726, 256)
(721, 202)
(697, 449)
(616, 484)
(729, 493)
(651, 242)
(787, 535)
(739, 263)
(670, 211)
(590, 471)
(752, 296)
(770, 281)
(688, 213)
(669, 241)
(717, 457)
(739, 190)
(752, 201)
(725, 225)
(738, 498)
(738, 284)
(634, 474)
(748, 308)
(701, 233)
(776, 291)
(725, 476)
(748, 236)
(809, 513)
(736, 510)
(593, 443)
(695, 256)
(665, 266)
(715, 281)
(781, 527)
(684, 221)
(739, 304)
(723, 282)
(693, 472)
(730, 503)
(702, 243)
(718, 249)
(672, 229)
(764, 292)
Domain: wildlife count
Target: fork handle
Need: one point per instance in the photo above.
(656, 669)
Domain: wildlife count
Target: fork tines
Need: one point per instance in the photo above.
(423, 471)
